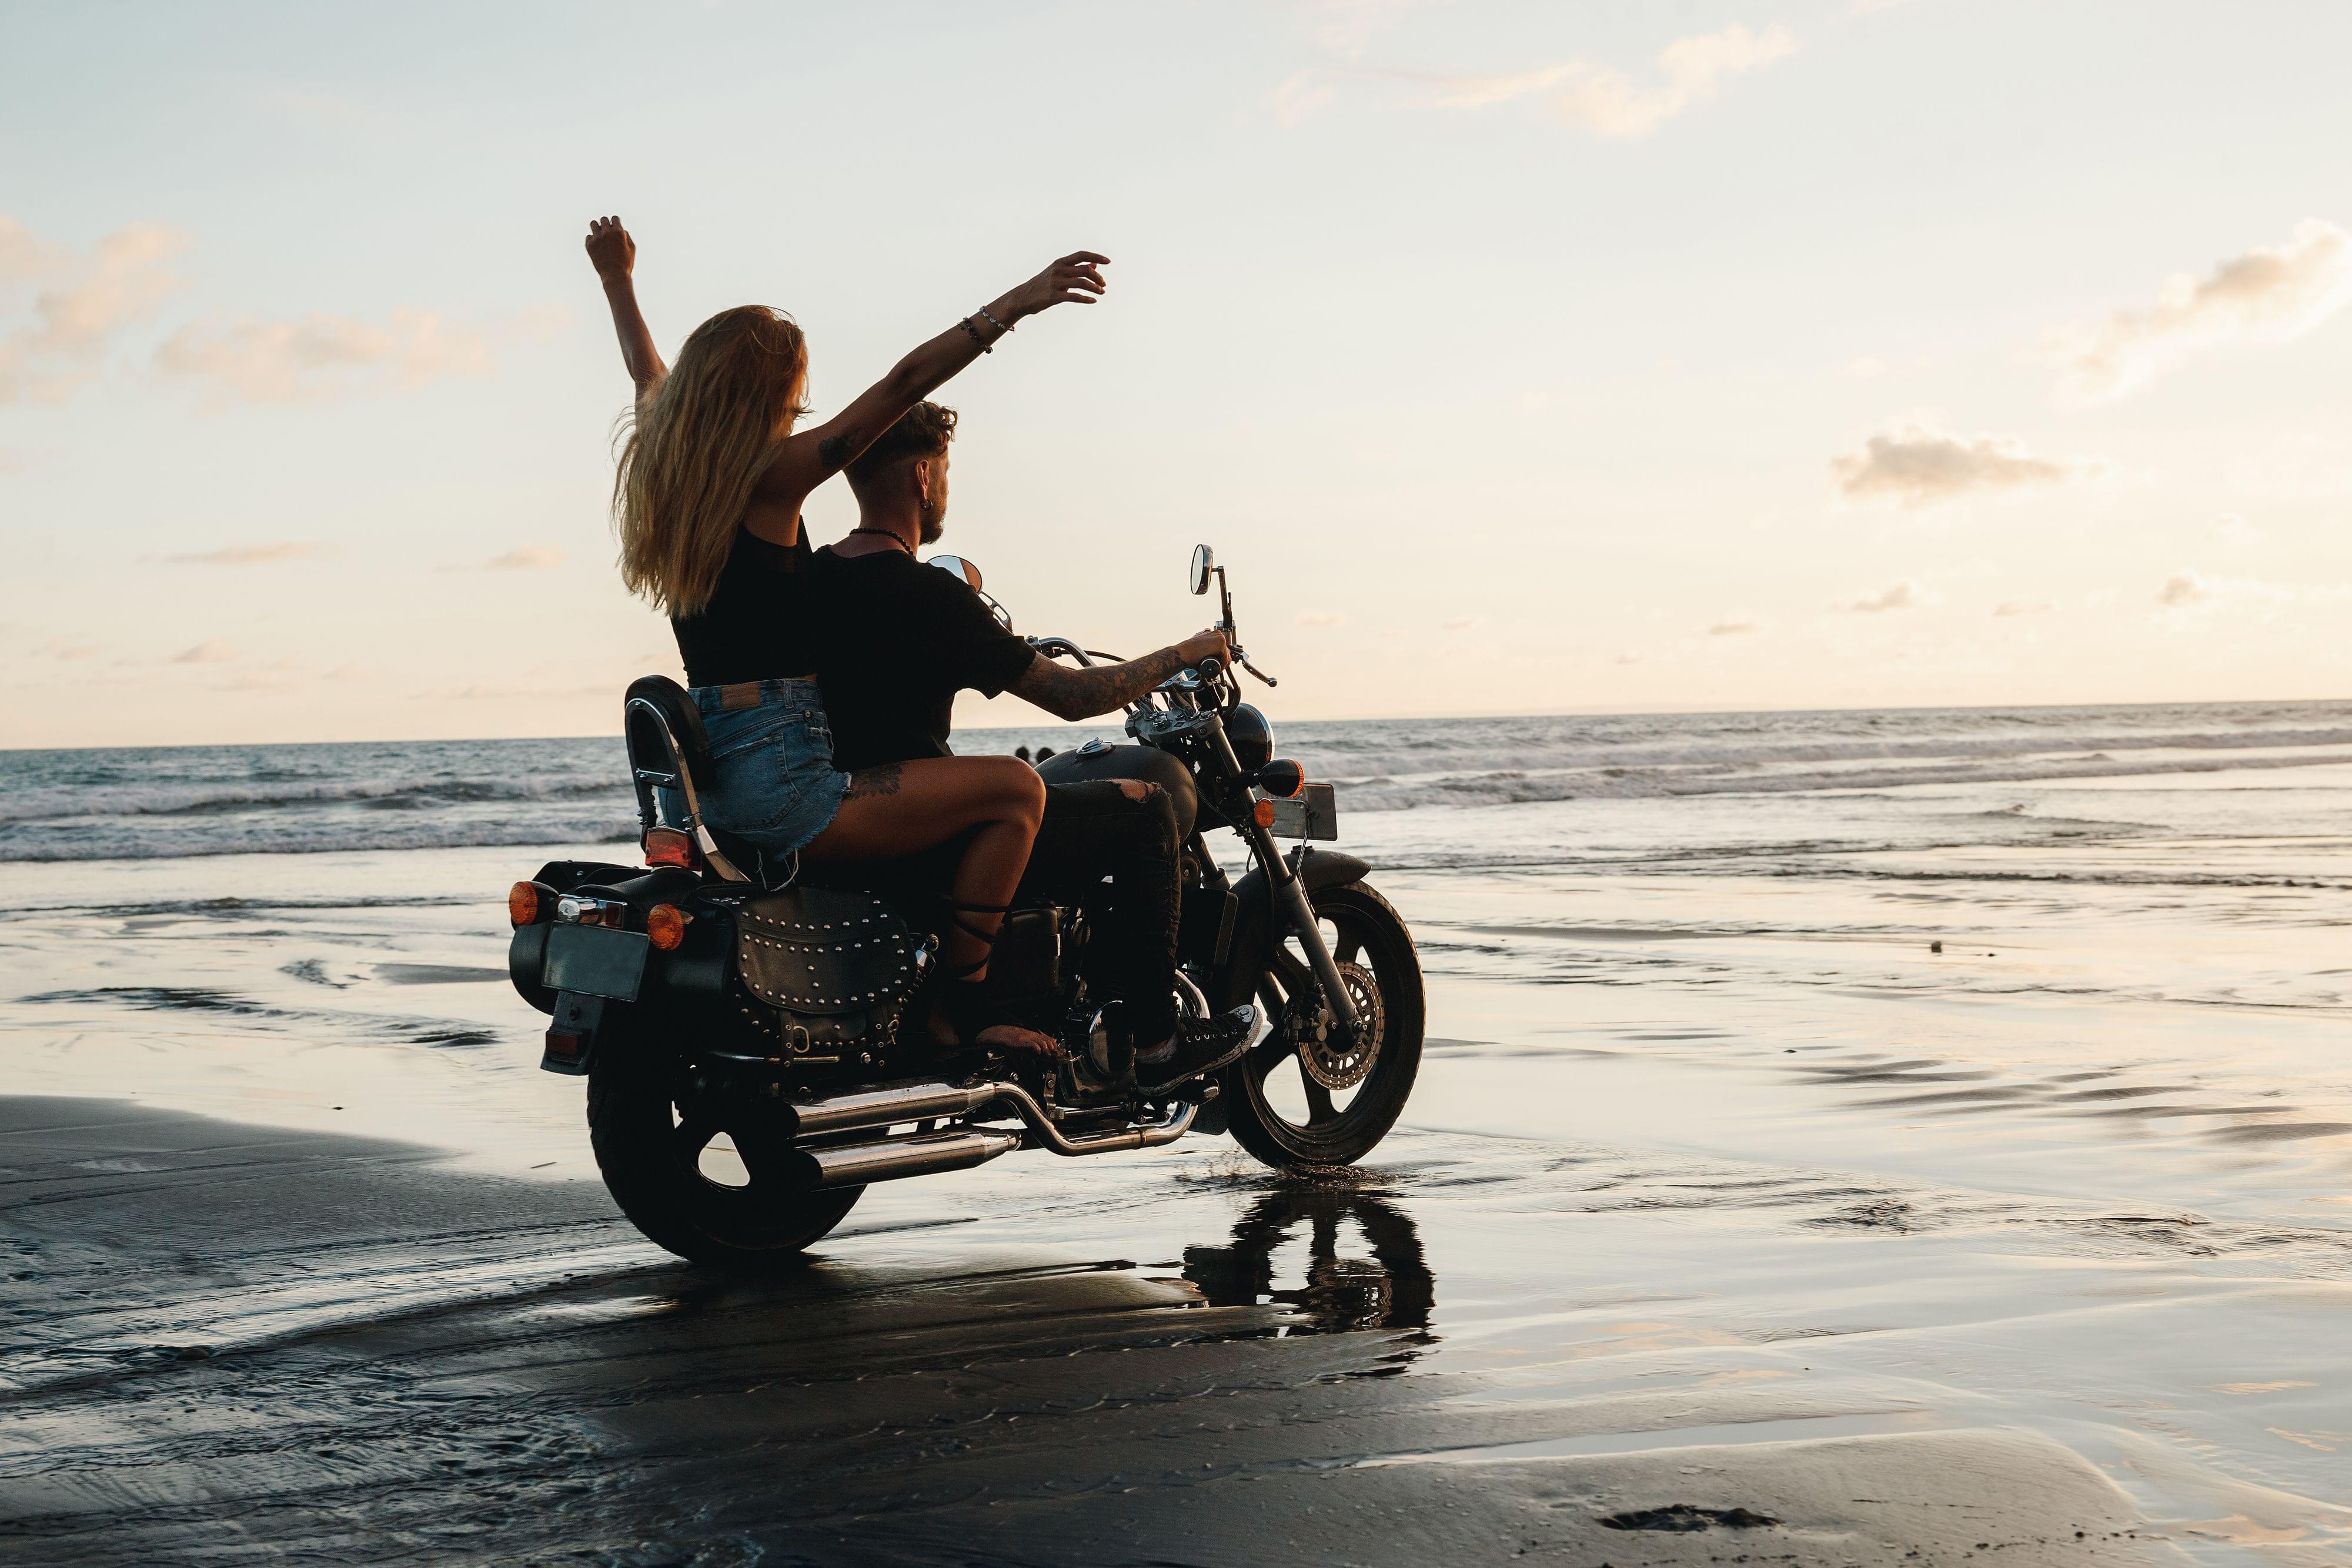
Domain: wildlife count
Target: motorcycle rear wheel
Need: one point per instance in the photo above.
(652, 1139)
(1267, 1087)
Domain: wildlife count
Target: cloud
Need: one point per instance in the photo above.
(24, 253)
(2265, 295)
(1302, 95)
(1628, 658)
(1460, 624)
(1608, 102)
(1319, 620)
(2185, 589)
(2024, 606)
(1920, 466)
(65, 648)
(253, 555)
(319, 358)
(215, 652)
(2236, 531)
(121, 281)
(1734, 628)
(1903, 595)
(528, 557)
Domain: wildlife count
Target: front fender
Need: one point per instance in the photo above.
(1254, 921)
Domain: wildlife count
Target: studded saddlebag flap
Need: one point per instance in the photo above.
(824, 950)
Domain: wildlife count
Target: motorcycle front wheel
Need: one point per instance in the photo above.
(1295, 1101)
(710, 1192)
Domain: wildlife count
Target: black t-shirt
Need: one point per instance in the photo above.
(756, 626)
(897, 640)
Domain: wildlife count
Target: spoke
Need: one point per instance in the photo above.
(1318, 1100)
(1267, 1055)
(697, 1129)
(761, 1151)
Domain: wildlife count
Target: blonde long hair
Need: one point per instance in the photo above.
(691, 454)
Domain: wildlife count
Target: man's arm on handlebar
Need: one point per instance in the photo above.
(1074, 695)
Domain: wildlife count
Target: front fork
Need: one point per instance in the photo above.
(1290, 900)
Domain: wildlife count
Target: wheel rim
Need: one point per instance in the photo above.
(1295, 1105)
(730, 1160)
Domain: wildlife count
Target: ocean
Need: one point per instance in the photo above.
(155, 802)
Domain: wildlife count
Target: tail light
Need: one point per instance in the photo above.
(669, 846)
(1281, 779)
(665, 926)
(529, 902)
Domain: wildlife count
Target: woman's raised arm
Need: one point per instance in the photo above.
(808, 457)
(615, 255)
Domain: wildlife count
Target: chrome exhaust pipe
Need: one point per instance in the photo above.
(886, 1107)
(856, 1164)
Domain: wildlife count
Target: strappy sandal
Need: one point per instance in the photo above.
(966, 1001)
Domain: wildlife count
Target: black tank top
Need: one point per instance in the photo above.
(756, 627)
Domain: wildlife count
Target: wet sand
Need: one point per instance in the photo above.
(1727, 1222)
(231, 1343)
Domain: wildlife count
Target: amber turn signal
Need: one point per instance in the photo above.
(522, 903)
(665, 926)
(1262, 812)
(1282, 778)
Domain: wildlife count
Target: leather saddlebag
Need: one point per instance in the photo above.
(824, 951)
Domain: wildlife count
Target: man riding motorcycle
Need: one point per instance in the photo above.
(897, 640)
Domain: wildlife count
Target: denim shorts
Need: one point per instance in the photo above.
(773, 784)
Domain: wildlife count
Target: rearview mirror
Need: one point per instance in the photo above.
(956, 566)
(1204, 561)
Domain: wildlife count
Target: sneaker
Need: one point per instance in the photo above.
(1199, 1046)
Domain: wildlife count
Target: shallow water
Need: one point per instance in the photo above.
(1715, 1169)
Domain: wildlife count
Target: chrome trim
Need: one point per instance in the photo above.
(894, 1159)
(900, 1103)
(888, 1103)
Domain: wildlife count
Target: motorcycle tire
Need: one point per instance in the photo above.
(650, 1145)
(1364, 932)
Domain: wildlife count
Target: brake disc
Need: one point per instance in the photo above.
(1324, 1051)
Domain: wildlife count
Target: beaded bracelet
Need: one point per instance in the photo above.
(992, 320)
(985, 346)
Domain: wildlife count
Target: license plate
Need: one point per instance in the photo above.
(595, 961)
(1312, 813)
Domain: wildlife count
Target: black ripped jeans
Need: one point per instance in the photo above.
(1094, 831)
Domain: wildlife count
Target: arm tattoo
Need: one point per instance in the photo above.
(871, 782)
(834, 451)
(1084, 693)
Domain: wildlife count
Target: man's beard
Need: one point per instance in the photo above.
(930, 526)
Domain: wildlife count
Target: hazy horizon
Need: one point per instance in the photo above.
(1822, 356)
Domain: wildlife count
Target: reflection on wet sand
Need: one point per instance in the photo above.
(1391, 1289)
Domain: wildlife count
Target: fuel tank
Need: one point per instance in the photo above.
(1099, 759)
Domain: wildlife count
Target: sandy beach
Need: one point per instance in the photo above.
(1729, 1222)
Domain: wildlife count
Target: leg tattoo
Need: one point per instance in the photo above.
(865, 781)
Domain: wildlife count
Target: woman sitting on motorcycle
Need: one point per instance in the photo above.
(707, 504)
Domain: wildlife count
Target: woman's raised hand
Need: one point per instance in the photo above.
(1078, 277)
(610, 247)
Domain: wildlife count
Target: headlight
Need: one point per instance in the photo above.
(1251, 737)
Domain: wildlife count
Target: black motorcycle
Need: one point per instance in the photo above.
(756, 1045)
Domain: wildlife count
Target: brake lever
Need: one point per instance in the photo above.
(1254, 670)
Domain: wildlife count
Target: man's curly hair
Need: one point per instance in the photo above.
(923, 431)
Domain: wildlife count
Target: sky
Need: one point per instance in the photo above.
(1596, 356)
